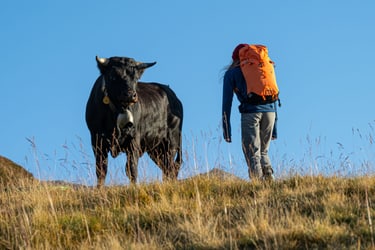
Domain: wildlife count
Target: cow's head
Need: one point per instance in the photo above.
(121, 76)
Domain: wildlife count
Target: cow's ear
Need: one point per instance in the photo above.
(102, 63)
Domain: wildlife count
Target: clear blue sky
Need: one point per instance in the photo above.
(324, 52)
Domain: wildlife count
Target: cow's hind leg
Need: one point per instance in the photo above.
(167, 160)
(174, 162)
(173, 154)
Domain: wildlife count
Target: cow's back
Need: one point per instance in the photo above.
(175, 105)
(158, 114)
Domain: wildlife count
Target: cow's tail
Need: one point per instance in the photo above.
(178, 160)
(178, 156)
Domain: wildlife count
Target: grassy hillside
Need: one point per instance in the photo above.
(12, 174)
(199, 213)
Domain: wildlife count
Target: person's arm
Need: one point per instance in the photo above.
(274, 131)
(227, 106)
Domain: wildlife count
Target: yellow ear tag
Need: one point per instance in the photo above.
(106, 100)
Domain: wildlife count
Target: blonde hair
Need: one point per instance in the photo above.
(232, 65)
(235, 63)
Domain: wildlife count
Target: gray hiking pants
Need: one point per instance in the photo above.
(256, 130)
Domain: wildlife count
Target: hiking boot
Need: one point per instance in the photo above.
(268, 177)
(268, 174)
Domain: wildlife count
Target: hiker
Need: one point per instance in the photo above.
(258, 116)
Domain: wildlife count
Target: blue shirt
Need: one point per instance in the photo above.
(234, 80)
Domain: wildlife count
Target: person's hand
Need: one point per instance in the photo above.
(229, 140)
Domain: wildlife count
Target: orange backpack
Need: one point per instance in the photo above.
(259, 73)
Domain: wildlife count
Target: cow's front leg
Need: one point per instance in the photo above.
(100, 147)
(101, 168)
(132, 166)
(132, 155)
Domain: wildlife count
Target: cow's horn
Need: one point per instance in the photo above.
(145, 65)
(101, 60)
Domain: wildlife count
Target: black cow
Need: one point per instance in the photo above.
(124, 115)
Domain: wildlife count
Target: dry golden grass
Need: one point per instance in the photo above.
(199, 213)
